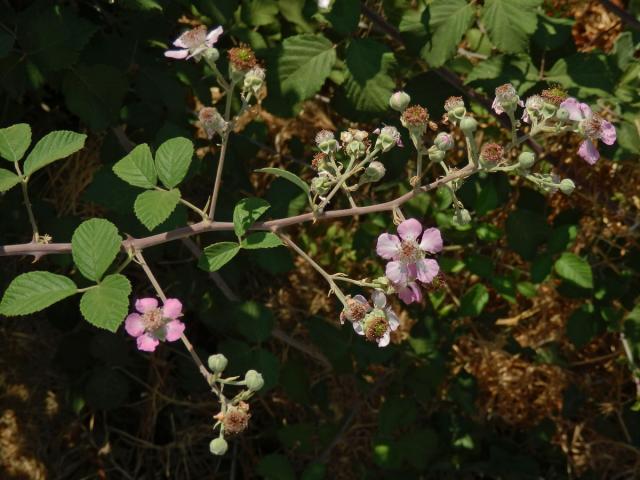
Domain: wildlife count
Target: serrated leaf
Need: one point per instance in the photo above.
(35, 291)
(173, 158)
(305, 63)
(52, 147)
(137, 168)
(587, 72)
(261, 240)
(95, 93)
(8, 179)
(510, 23)
(246, 212)
(217, 255)
(14, 141)
(106, 305)
(574, 269)
(448, 22)
(287, 175)
(94, 246)
(154, 206)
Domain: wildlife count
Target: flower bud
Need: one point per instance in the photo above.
(454, 106)
(253, 380)
(567, 186)
(320, 184)
(562, 114)
(399, 101)
(373, 173)
(217, 363)
(326, 142)
(218, 446)
(526, 160)
(211, 55)
(355, 149)
(468, 125)
(443, 141)
(461, 217)
(435, 154)
(254, 79)
(389, 137)
(506, 98)
(346, 137)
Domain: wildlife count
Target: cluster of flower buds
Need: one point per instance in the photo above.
(441, 145)
(234, 415)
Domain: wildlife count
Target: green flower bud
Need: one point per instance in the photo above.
(253, 380)
(567, 186)
(454, 106)
(399, 101)
(549, 109)
(373, 173)
(468, 125)
(562, 114)
(388, 138)
(356, 149)
(461, 217)
(444, 141)
(435, 154)
(217, 363)
(211, 55)
(218, 446)
(326, 142)
(526, 160)
(320, 185)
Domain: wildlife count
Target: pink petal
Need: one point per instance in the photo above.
(174, 330)
(431, 240)
(496, 106)
(147, 343)
(172, 308)
(607, 133)
(427, 270)
(387, 246)
(589, 152)
(360, 299)
(577, 111)
(525, 116)
(180, 43)
(213, 36)
(394, 321)
(144, 305)
(177, 54)
(409, 293)
(397, 272)
(134, 325)
(379, 299)
(384, 340)
(410, 229)
(357, 326)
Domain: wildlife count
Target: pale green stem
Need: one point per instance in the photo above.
(360, 283)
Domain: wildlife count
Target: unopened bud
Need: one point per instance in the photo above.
(389, 137)
(526, 160)
(567, 186)
(320, 184)
(356, 149)
(444, 141)
(218, 446)
(562, 114)
(211, 55)
(399, 101)
(461, 217)
(468, 125)
(373, 173)
(217, 363)
(435, 154)
(253, 380)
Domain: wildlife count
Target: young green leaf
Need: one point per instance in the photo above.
(173, 159)
(474, 301)
(246, 212)
(137, 168)
(287, 175)
(35, 291)
(8, 179)
(510, 23)
(94, 246)
(217, 255)
(106, 305)
(52, 147)
(154, 206)
(14, 141)
(261, 240)
(448, 20)
(574, 269)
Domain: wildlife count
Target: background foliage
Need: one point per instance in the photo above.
(514, 370)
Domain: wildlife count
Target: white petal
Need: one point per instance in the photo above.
(379, 299)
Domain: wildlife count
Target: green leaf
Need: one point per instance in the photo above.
(217, 255)
(8, 179)
(52, 147)
(287, 175)
(589, 73)
(275, 467)
(106, 305)
(173, 159)
(304, 65)
(95, 93)
(137, 168)
(154, 206)
(510, 23)
(14, 141)
(448, 20)
(94, 246)
(253, 321)
(526, 231)
(474, 301)
(246, 212)
(582, 326)
(261, 240)
(574, 269)
(35, 291)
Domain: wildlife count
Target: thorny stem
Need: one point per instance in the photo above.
(318, 268)
(27, 203)
(360, 283)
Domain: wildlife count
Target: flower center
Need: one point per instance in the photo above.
(591, 127)
(376, 328)
(410, 251)
(356, 310)
(153, 320)
(196, 37)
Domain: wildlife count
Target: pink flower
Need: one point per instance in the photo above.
(506, 99)
(593, 128)
(356, 309)
(378, 324)
(150, 324)
(194, 42)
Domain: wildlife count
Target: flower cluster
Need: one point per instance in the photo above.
(152, 324)
(374, 323)
(408, 266)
